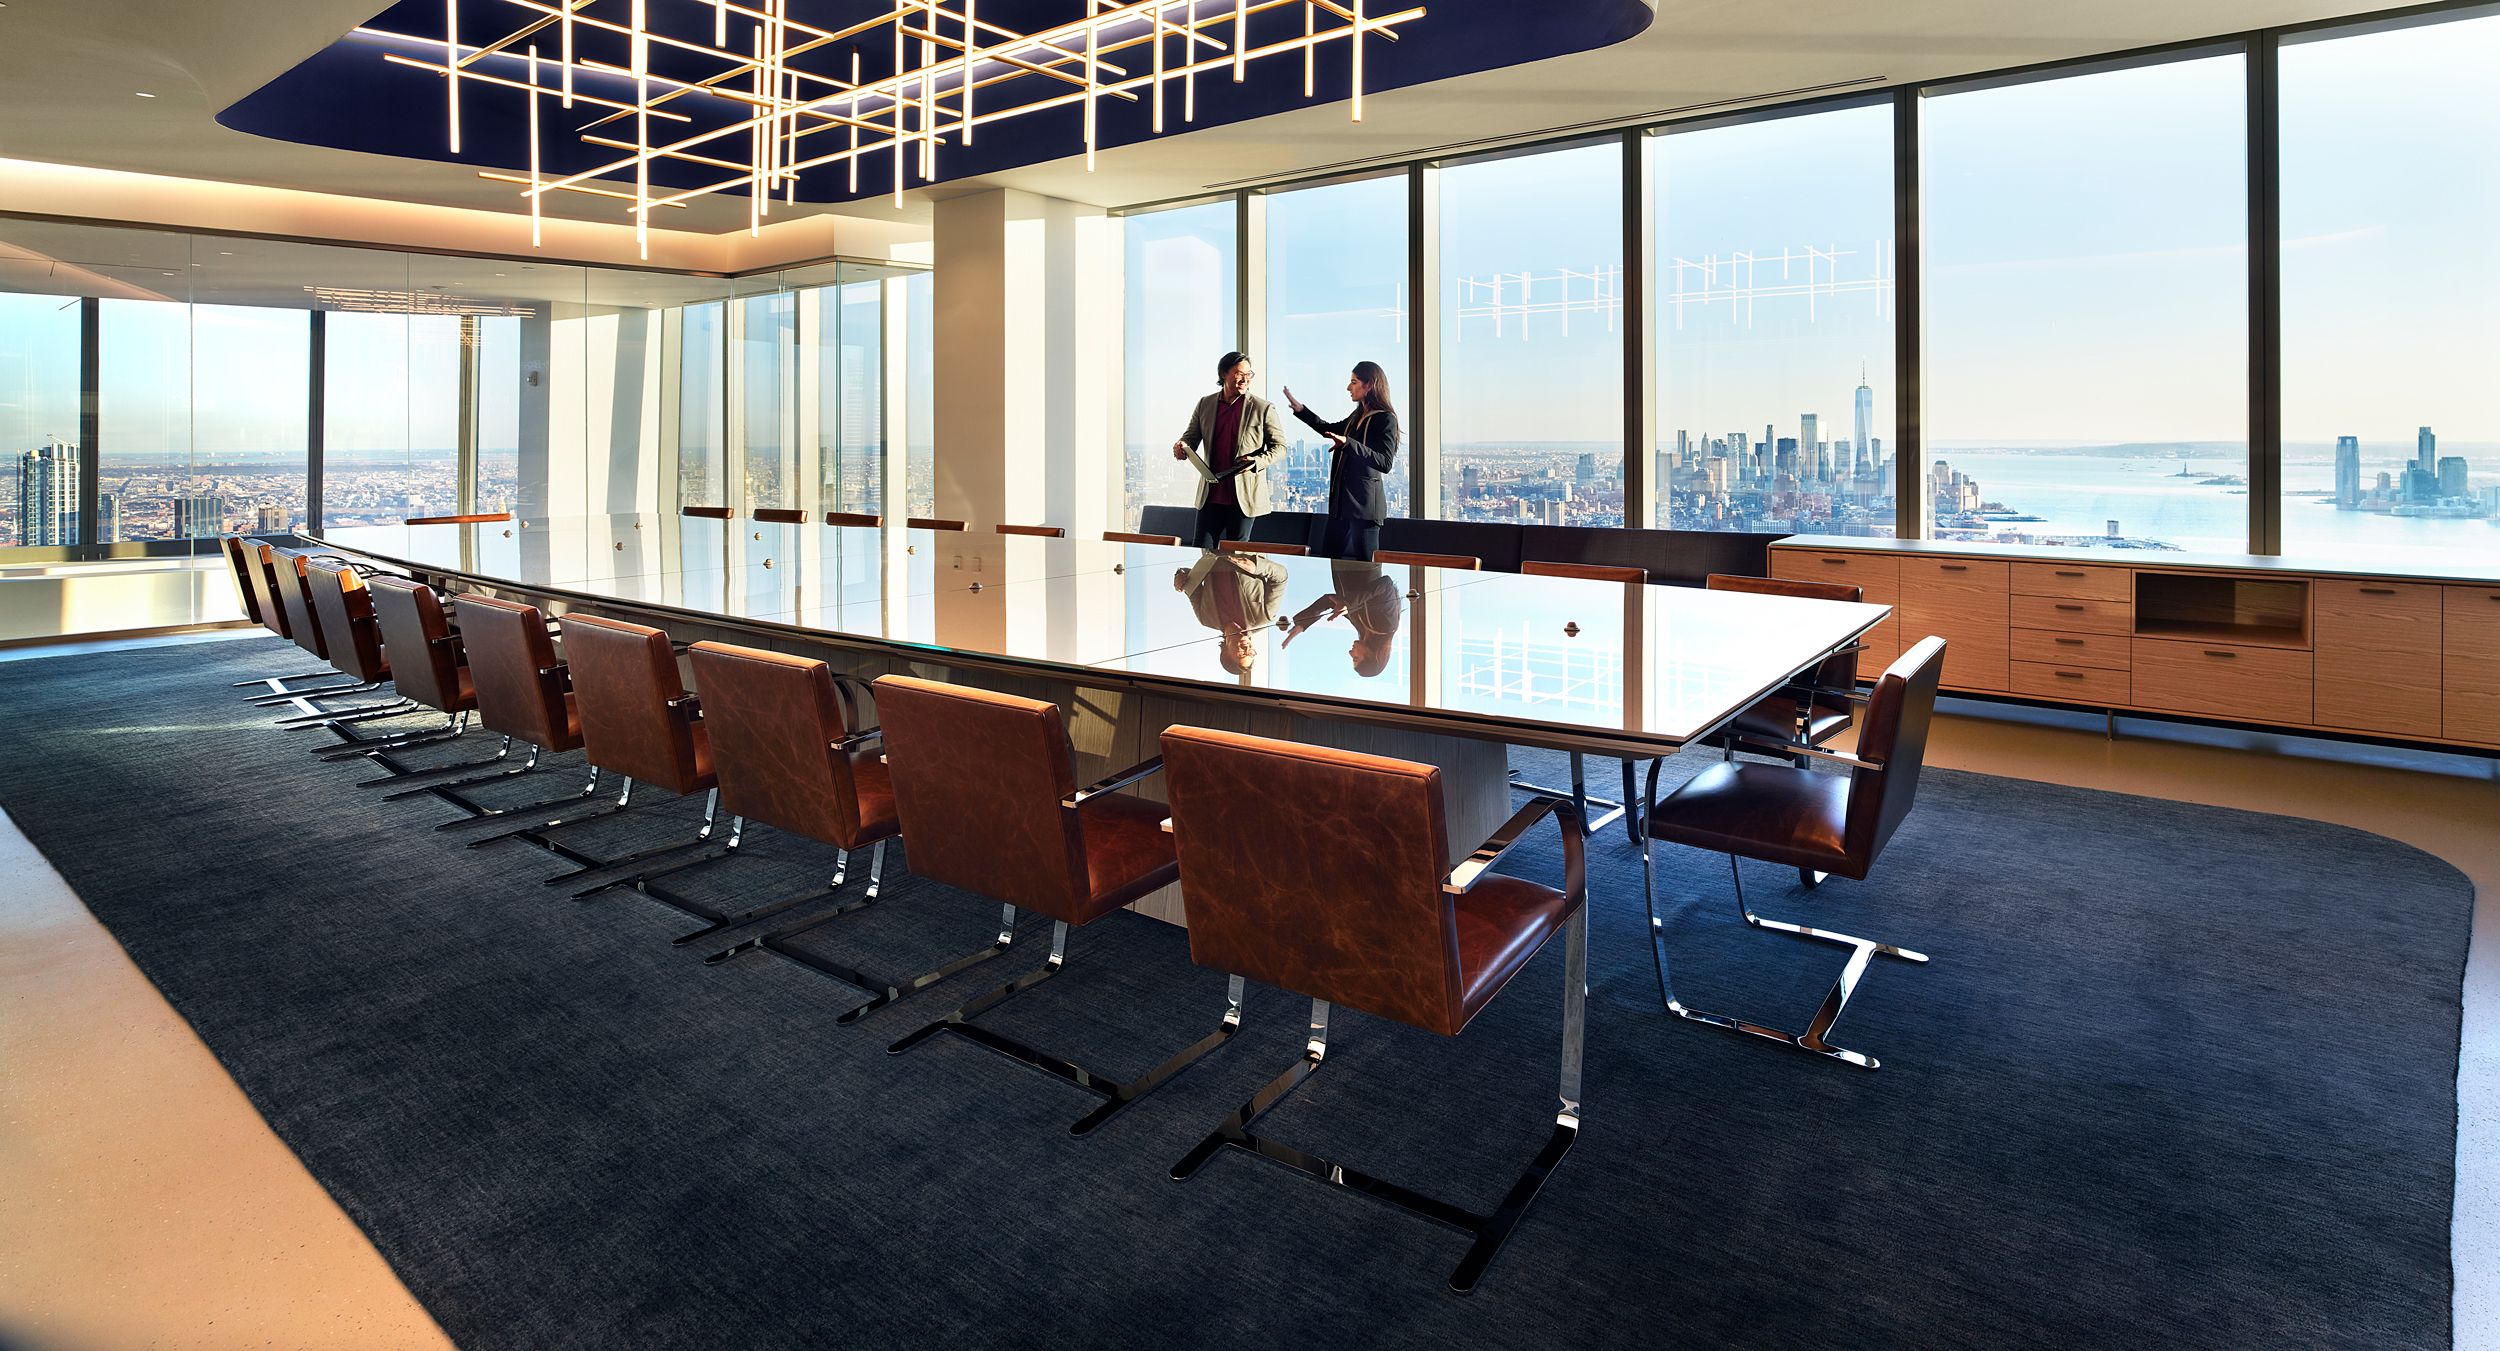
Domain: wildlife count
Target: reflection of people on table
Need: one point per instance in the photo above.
(1236, 595)
(1240, 433)
(1366, 599)
(1366, 445)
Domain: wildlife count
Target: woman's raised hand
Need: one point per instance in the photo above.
(1290, 401)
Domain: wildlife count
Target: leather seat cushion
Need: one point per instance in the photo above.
(1501, 924)
(1126, 852)
(1775, 813)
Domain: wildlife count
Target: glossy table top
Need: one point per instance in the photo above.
(1532, 660)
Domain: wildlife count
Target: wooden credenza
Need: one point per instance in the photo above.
(2270, 641)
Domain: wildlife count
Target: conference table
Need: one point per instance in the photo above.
(1446, 666)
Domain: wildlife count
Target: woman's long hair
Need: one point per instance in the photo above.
(1377, 381)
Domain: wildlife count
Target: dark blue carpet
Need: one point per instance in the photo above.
(2178, 1076)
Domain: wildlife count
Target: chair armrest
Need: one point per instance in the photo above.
(1479, 865)
(1830, 692)
(689, 704)
(1113, 784)
(858, 739)
(1770, 747)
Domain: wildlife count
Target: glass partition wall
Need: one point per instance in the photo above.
(158, 390)
(2019, 309)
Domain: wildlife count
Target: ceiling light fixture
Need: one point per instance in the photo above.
(364, 300)
(777, 97)
(144, 94)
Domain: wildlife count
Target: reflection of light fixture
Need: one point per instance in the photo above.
(796, 98)
(359, 300)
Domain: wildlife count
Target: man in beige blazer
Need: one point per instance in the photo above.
(1239, 433)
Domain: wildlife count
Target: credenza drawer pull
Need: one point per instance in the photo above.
(2378, 591)
(1953, 567)
(2070, 642)
(2075, 608)
(1843, 562)
(2069, 574)
(2070, 675)
(2211, 652)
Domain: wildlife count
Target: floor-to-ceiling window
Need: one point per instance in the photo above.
(920, 394)
(204, 411)
(2390, 203)
(1773, 316)
(1532, 309)
(768, 389)
(851, 393)
(702, 470)
(1336, 295)
(39, 419)
(1180, 318)
(390, 416)
(2085, 270)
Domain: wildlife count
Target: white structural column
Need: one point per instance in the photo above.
(1028, 328)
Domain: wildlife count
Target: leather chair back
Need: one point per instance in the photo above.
(978, 780)
(853, 518)
(241, 567)
(286, 573)
(346, 610)
(781, 515)
(417, 636)
(705, 513)
(1317, 870)
(776, 725)
(265, 580)
(521, 687)
(1587, 572)
(1839, 671)
(1895, 735)
(636, 718)
(1178, 522)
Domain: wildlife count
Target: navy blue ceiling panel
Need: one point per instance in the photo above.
(348, 97)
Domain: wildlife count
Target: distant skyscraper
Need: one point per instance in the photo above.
(108, 518)
(270, 520)
(2452, 476)
(2426, 452)
(1471, 482)
(2347, 472)
(1865, 405)
(199, 517)
(47, 495)
(1807, 434)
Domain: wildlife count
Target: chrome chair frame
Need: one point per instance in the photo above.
(1816, 1039)
(1488, 1231)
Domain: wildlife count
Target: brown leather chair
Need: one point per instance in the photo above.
(345, 611)
(523, 692)
(1587, 572)
(470, 518)
(867, 518)
(428, 671)
(781, 515)
(786, 749)
(1246, 546)
(1282, 886)
(250, 595)
(705, 513)
(986, 793)
(260, 605)
(931, 523)
(293, 587)
(1132, 537)
(638, 723)
(1042, 531)
(1397, 558)
(1816, 823)
(1820, 707)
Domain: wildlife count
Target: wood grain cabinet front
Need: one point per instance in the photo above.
(2371, 641)
(1962, 601)
(2074, 581)
(2221, 680)
(2469, 664)
(1877, 576)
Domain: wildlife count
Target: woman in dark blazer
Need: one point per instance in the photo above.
(1365, 445)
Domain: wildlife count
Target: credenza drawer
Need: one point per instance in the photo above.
(2108, 651)
(1977, 575)
(2269, 684)
(2084, 684)
(2074, 581)
(2074, 616)
(2470, 664)
(1876, 573)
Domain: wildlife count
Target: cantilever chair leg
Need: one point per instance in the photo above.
(1488, 1232)
(397, 708)
(1817, 1036)
(576, 809)
(325, 692)
(711, 812)
(500, 757)
(841, 871)
(454, 726)
(1116, 1095)
(886, 990)
(1578, 796)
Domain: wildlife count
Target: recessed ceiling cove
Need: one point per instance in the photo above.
(652, 103)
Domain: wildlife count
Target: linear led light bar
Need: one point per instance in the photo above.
(778, 97)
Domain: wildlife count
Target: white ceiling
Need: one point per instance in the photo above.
(70, 71)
